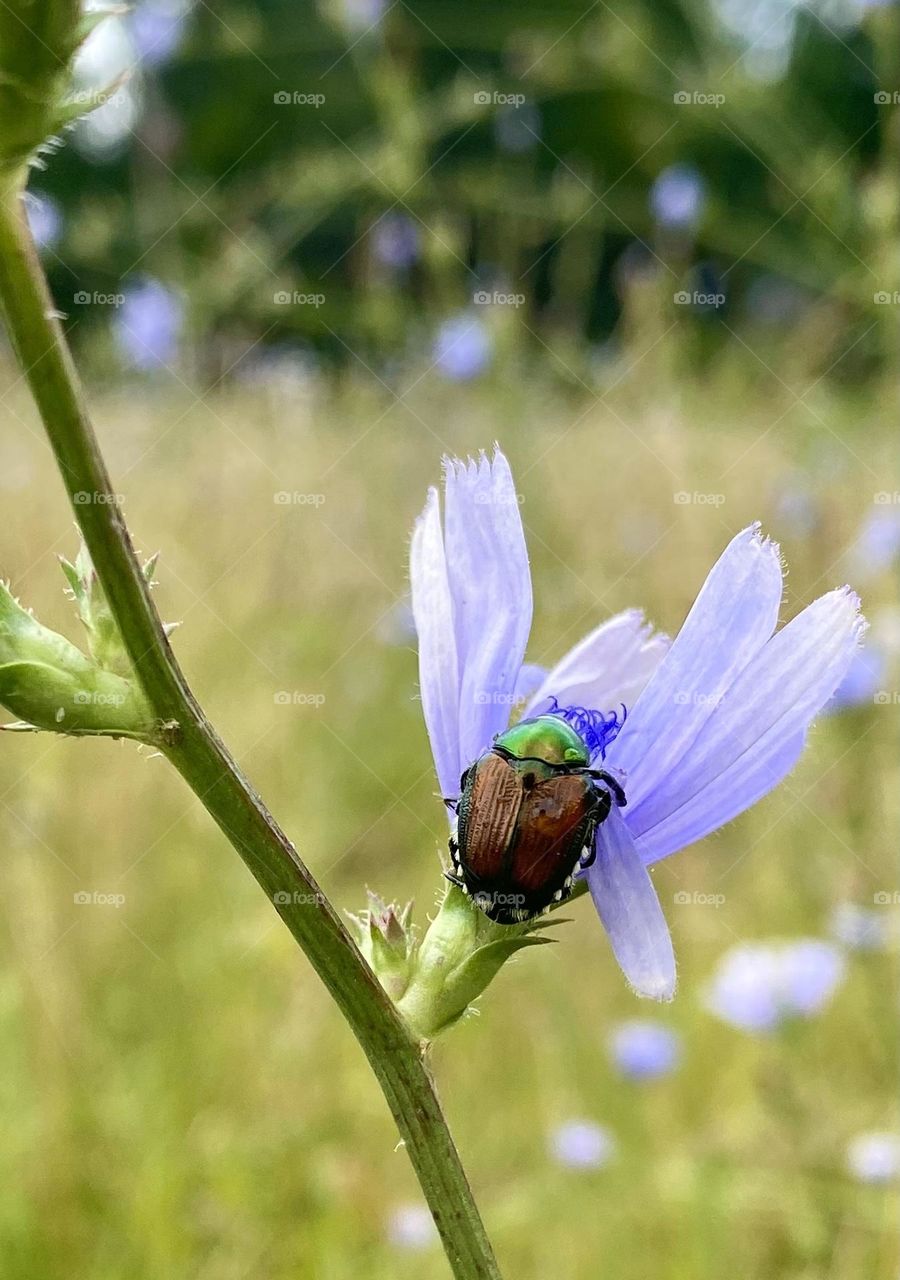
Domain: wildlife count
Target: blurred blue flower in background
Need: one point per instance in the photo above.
(395, 240)
(44, 219)
(861, 928)
(866, 677)
(644, 1050)
(874, 1157)
(796, 507)
(811, 970)
(877, 545)
(397, 626)
(156, 28)
(411, 1226)
(678, 197)
(757, 986)
(462, 348)
(581, 1144)
(357, 15)
(765, 30)
(148, 324)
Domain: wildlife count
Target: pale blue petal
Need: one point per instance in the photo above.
(530, 678)
(438, 664)
(735, 789)
(611, 665)
(626, 901)
(731, 619)
(756, 731)
(490, 585)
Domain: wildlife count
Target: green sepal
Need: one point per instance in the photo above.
(460, 955)
(50, 684)
(38, 43)
(103, 637)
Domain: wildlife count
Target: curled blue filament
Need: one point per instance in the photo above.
(598, 729)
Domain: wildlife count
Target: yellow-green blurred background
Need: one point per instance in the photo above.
(179, 1098)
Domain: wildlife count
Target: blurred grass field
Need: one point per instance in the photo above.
(180, 1098)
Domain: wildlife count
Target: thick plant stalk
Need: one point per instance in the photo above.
(192, 745)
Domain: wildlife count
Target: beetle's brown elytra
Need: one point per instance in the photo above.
(526, 821)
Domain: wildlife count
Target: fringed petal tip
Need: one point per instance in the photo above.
(474, 465)
(860, 623)
(432, 499)
(644, 631)
(757, 539)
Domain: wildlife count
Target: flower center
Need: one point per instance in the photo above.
(598, 729)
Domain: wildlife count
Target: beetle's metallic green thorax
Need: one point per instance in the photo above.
(548, 739)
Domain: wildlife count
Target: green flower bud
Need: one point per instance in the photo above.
(459, 957)
(104, 641)
(38, 41)
(387, 940)
(50, 684)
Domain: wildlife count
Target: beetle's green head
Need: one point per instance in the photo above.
(545, 738)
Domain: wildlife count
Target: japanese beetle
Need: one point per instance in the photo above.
(526, 818)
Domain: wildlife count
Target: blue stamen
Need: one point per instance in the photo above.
(598, 729)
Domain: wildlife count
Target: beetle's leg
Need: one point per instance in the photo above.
(457, 880)
(601, 775)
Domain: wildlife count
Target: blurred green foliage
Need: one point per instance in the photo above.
(179, 1097)
(521, 148)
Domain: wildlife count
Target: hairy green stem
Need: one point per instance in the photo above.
(192, 745)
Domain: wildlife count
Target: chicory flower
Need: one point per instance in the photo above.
(759, 986)
(875, 1157)
(643, 1050)
(462, 348)
(714, 722)
(581, 1144)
